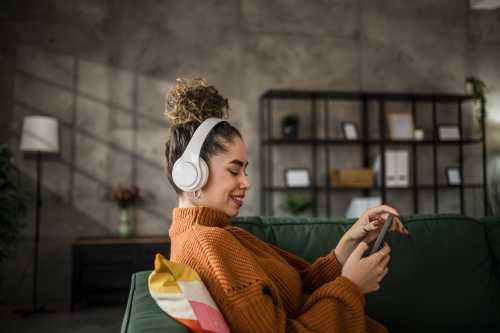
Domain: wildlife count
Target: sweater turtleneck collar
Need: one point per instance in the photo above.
(183, 218)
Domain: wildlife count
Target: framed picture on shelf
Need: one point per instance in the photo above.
(297, 177)
(400, 125)
(453, 176)
(350, 130)
(448, 132)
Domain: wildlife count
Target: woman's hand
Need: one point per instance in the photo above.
(367, 272)
(366, 229)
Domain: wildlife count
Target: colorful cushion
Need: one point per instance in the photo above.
(179, 291)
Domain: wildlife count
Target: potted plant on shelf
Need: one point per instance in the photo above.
(290, 126)
(296, 204)
(125, 196)
(478, 88)
(13, 201)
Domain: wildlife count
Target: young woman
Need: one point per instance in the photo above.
(258, 286)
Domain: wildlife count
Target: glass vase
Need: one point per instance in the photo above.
(124, 226)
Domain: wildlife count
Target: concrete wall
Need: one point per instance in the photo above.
(102, 68)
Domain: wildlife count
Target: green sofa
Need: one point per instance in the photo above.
(444, 277)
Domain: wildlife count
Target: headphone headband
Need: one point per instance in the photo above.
(193, 148)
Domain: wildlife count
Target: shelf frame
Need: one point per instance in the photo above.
(323, 98)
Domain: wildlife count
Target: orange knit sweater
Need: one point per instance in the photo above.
(261, 288)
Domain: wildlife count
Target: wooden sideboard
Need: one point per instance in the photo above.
(102, 267)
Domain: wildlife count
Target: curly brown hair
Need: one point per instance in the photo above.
(194, 100)
(188, 104)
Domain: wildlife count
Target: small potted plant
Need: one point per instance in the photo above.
(296, 204)
(125, 196)
(478, 88)
(290, 126)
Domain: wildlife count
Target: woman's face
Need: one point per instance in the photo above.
(228, 181)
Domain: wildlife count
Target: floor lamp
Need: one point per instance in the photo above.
(40, 137)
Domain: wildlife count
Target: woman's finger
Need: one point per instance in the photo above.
(373, 225)
(385, 261)
(384, 273)
(402, 229)
(382, 210)
(398, 226)
(370, 237)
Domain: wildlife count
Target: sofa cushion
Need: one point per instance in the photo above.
(142, 314)
(441, 277)
(304, 236)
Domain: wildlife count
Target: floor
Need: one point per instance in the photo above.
(83, 320)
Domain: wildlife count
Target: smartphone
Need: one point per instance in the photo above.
(381, 236)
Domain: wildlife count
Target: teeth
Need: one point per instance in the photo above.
(237, 199)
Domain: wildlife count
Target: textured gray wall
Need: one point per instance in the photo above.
(102, 68)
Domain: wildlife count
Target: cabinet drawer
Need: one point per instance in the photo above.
(105, 254)
(102, 268)
(101, 278)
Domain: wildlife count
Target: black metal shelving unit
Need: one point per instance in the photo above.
(319, 103)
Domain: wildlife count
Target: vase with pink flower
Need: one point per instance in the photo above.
(125, 196)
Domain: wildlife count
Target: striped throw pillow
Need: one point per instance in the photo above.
(179, 291)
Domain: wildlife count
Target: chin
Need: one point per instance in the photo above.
(231, 211)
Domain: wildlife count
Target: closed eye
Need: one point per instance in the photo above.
(236, 173)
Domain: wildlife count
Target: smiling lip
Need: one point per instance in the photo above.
(238, 199)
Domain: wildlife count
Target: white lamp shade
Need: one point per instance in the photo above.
(40, 134)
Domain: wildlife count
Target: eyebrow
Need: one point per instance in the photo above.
(238, 162)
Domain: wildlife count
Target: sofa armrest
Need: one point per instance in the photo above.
(126, 316)
(143, 314)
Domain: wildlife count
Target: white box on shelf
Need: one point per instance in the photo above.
(360, 204)
(396, 168)
(402, 168)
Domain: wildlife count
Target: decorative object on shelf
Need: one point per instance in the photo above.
(350, 130)
(358, 205)
(418, 134)
(13, 200)
(453, 176)
(360, 177)
(477, 87)
(400, 125)
(40, 138)
(396, 168)
(448, 132)
(297, 177)
(125, 196)
(290, 126)
(296, 203)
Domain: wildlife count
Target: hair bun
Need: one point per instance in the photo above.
(193, 100)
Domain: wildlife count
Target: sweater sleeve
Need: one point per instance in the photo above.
(251, 302)
(322, 270)
(337, 306)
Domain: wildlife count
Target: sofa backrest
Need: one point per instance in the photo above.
(444, 276)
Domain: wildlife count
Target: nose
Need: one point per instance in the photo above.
(245, 183)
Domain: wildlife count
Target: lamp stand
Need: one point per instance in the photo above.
(35, 307)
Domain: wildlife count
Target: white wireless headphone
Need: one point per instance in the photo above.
(190, 171)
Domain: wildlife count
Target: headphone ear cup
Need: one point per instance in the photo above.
(185, 175)
(203, 174)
